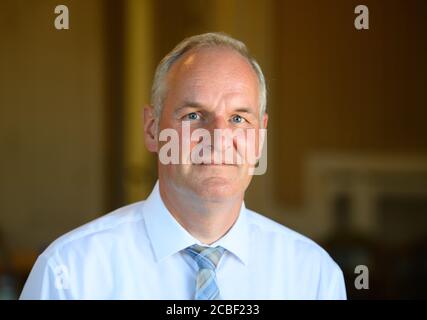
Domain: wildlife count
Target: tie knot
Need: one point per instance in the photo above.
(206, 257)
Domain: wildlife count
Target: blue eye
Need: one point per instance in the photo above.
(238, 119)
(192, 116)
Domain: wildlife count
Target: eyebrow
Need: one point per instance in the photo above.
(244, 110)
(188, 104)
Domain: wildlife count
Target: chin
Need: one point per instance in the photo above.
(215, 188)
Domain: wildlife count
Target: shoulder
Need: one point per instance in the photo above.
(85, 254)
(105, 229)
(283, 239)
(302, 263)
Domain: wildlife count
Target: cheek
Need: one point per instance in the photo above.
(185, 140)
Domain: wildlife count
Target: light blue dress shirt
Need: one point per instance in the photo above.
(136, 252)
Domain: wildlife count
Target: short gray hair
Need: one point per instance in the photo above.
(206, 40)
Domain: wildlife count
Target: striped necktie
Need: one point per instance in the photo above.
(207, 259)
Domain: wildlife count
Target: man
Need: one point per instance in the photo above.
(192, 238)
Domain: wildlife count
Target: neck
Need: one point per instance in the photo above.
(205, 220)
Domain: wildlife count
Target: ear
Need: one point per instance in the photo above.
(265, 120)
(150, 134)
(263, 135)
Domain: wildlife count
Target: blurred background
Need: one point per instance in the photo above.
(347, 137)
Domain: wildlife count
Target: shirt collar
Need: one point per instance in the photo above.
(168, 237)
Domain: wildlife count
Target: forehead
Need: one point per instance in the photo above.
(217, 70)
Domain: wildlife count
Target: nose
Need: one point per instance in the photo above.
(217, 122)
(222, 139)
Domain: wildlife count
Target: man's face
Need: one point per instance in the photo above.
(210, 89)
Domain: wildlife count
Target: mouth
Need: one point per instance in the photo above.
(215, 164)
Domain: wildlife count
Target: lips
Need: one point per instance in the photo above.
(215, 164)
